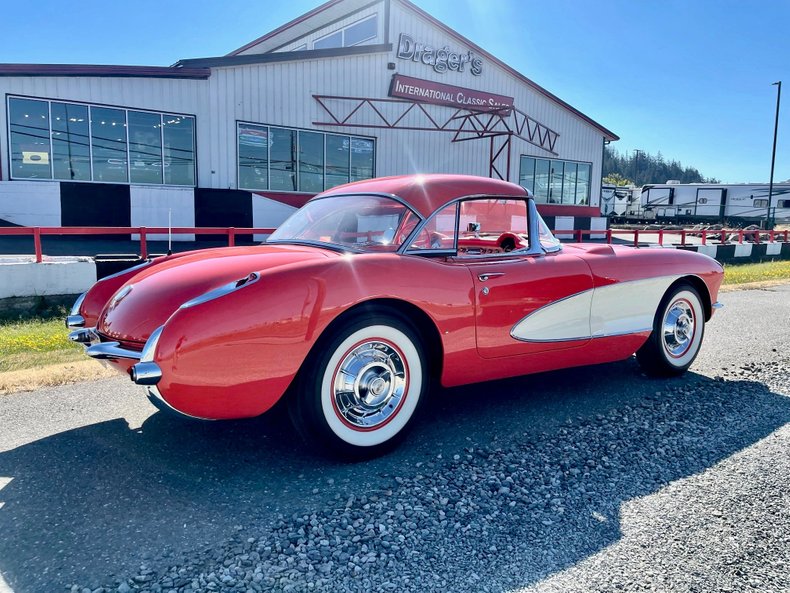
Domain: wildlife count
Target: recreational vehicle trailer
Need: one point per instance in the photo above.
(738, 204)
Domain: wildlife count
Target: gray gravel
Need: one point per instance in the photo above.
(493, 518)
(588, 480)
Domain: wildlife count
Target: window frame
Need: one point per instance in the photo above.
(533, 229)
(126, 109)
(269, 127)
(562, 200)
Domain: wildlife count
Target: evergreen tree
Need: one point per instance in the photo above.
(644, 168)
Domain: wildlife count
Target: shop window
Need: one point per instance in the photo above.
(71, 154)
(554, 181)
(79, 142)
(311, 162)
(555, 187)
(283, 159)
(28, 121)
(253, 146)
(583, 184)
(569, 183)
(108, 138)
(178, 138)
(145, 147)
(359, 33)
(337, 160)
(362, 158)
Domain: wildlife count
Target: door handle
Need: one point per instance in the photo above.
(486, 276)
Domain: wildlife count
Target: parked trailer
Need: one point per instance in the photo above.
(738, 204)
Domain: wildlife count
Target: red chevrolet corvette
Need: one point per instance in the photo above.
(373, 289)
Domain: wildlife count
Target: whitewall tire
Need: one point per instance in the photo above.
(678, 329)
(361, 387)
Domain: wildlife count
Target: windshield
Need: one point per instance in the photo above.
(361, 223)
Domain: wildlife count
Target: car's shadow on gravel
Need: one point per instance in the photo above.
(536, 465)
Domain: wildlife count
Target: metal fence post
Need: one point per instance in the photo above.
(37, 244)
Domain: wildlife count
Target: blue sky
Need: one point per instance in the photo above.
(691, 79)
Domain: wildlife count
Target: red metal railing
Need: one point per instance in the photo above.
(724, 236)
(144, 232)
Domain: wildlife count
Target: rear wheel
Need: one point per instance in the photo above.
(360, 389)
(678, 328)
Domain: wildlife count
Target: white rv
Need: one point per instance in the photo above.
(704, 202)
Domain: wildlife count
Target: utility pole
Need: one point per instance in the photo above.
(778, 85)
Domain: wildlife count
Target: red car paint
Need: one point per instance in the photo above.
(235, 356)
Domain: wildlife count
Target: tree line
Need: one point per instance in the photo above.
(641, 168)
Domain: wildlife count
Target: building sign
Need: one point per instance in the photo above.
(442, 59)
(428, 91)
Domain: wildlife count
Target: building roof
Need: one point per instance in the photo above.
(300, 25)
(426, 193)
(102, 70)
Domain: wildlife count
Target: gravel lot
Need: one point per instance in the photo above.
(594, 479)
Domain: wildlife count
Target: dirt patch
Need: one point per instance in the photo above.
(762, 284)
(51, 375)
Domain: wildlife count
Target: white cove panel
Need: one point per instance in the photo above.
(617, 309)
(568, 319)
(627, 307)
(153, 205)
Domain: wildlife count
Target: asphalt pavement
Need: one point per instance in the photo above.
(592, 479)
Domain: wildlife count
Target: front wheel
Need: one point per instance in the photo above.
(678, 328)
(360, 389)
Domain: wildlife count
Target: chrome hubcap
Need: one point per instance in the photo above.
(370, 384)
(678, 328)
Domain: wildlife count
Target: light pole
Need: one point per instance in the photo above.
(778, 85)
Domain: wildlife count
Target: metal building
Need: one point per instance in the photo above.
(351, 90)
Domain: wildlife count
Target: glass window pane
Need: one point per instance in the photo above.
(71, 156)
(108, 136)
(333, 40)
(541, 180)
(179, 149)
(569, 184)
(253, 157)
(283, 159)
(526, 176)
(362, 158)
(337, 164)
(29, 124)
(583, 184)
(311, 162)
(555, 190)
(439, 232)
(145, 147)
(363, 31)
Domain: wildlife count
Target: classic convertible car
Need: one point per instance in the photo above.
(375, 289)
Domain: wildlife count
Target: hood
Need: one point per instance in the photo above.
(150, 297)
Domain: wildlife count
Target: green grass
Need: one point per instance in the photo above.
(36, 342)
(742, 273)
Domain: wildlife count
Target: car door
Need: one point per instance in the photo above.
(523, 301)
